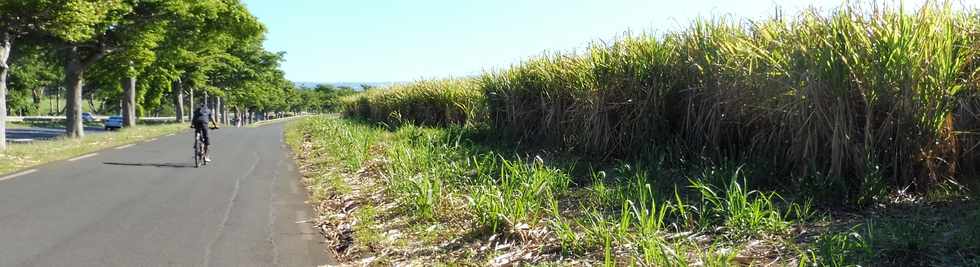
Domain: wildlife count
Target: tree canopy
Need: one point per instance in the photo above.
(148, 55)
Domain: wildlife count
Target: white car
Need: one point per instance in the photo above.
(87, 117)
(114, 122)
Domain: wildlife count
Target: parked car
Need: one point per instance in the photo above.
(87, 117)
(114, 122)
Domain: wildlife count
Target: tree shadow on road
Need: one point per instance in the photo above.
(157, 165)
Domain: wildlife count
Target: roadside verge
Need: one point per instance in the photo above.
(22, 156)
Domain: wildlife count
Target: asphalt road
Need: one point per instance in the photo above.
(146, 205)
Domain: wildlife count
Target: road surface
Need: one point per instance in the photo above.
(146, 205)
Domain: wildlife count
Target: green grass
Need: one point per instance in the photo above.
(328, 165)
(843, 248)
(21, 156)
(442, 177)
(366, 229)
(796, 140)
(438, 186)
(744, 212)
(519, 194)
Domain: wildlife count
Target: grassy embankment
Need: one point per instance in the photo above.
(22, 156)
(838, 139)
(420, 194)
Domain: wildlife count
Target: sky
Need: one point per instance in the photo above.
(407, 40)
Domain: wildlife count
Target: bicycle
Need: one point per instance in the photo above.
(200, 151)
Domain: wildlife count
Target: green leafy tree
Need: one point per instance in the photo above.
(251, 79)
(210, 45)
(71, 21)
(84, 31)
(137, 36)
(125, 36)
(32, 71)
(201, 35)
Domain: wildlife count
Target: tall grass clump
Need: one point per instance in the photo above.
(848, 101)
(434, 103)
(417, 170)
(873, 97)
(609, 100)
(519, 193)
(744, 212)
(845, 101)
(424, 163)
(355, 139)
(637, 213)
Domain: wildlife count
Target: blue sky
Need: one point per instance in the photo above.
(389, 40)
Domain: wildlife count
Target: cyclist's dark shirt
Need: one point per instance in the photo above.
(202, 115)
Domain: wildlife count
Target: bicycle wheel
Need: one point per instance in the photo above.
(197, 152)
(204, 154)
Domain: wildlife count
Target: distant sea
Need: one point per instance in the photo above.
(355, 85)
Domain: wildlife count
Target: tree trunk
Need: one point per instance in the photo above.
(36, 94)
(74, 80)
(5, 45)
(224, 114)
(91, 100)
(190, 105)
(102, 108)
(217, 110)
(178, 96)
(57, 102)
(221, 111)
(129, 102)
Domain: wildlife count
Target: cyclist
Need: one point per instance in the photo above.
(203, 115)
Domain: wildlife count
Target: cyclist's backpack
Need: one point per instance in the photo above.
(198, 115)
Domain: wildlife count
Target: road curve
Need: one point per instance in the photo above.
(146, 205)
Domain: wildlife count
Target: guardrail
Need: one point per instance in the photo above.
(99, 118)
